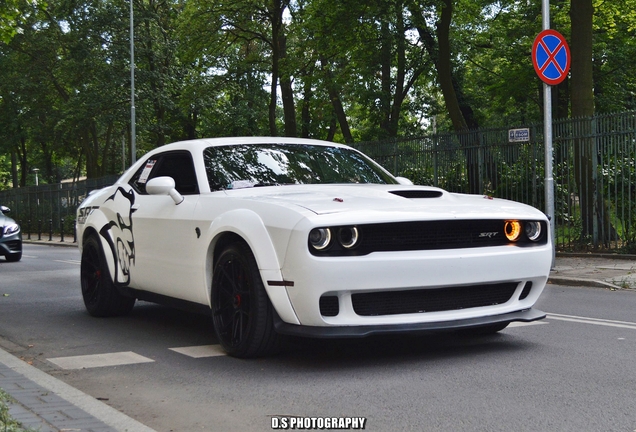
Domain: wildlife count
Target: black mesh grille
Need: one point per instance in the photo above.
(433, 235)
(432, 300)
(14, 245)
(428, 235)
(329, 306)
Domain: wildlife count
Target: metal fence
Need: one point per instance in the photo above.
(594, 173)
(594, 178)
(44, 210)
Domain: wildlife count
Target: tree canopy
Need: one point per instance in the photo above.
(343, 70)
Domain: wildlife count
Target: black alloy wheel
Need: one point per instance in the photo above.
(101, 297)
(241, 310)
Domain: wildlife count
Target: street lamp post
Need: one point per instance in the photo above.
(35, 170)
(133, 143)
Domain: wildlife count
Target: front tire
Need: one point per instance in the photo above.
(101, 297)
(241, 310)
(14, 257)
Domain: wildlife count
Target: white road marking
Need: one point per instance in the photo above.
(596, 321)
(99, 360)
(525, 324)
(69, 261)
(201, 351)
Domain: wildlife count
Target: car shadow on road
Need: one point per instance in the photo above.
(182, 328)
(320, 353)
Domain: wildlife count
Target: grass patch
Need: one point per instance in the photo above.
(8, 424)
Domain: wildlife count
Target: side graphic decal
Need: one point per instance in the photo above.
(119, 235)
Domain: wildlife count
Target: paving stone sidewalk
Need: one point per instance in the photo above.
(43, 403)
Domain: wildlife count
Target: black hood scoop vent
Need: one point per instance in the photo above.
(413, 194)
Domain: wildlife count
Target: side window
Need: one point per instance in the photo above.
(138, 181)
(177, 165)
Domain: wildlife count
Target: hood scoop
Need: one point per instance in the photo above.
(414, 194)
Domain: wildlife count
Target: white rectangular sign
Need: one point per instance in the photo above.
(519, 135)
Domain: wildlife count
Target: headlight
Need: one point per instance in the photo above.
(11, 229)
(533, 230)
(320, 238)
(512, 230)
(348, 237)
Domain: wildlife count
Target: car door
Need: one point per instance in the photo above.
(164, 232)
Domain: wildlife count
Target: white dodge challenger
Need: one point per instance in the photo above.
(281, 236)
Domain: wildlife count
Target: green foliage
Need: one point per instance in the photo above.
(8, 424)
(358, 71)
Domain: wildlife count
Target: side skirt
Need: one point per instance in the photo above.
(184, 305)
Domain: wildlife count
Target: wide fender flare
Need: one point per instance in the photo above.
(97, 221)
(250, 227)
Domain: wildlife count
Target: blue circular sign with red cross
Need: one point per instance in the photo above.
(551, 57)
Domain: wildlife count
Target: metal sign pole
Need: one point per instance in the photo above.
(547, 133)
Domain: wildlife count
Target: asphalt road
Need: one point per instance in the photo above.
(574, 371)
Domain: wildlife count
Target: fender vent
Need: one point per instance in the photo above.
(413, 194)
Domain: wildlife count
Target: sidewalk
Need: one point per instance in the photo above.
(47, 404)
(44, 403)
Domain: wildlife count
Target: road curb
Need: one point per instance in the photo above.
(68, 408)
(573, 281)
(49, 243)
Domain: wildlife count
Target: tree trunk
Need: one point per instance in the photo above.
(287, 93)
(14, 168)
(593, 211)
(444, 69)
(336, 103)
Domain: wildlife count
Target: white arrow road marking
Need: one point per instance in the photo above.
(525, 324)
(69, 261)
(99, 360)
(201, 351)
(596, 321)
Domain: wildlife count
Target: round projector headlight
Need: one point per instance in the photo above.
(348, 237)
(512, 230)
(533, 230)
(320, 238)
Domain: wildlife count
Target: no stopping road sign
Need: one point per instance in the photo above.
(551, 57)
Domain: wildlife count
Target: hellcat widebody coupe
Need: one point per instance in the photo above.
(282, 236)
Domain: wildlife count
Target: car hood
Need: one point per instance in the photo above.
(5, 220)
(329, 199)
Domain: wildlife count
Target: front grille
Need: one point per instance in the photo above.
(428, 235)
(431, 300)
(329, 306)
(433, 235)
(14, 245)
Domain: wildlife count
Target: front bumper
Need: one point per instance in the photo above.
(11, 244)
(527, 315)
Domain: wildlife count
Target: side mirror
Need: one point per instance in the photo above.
(5, 209)
(164, 186)
(404, 181)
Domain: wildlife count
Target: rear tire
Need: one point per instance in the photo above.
(101, 297)
(242, 312)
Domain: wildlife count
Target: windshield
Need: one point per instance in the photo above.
(240, 166)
